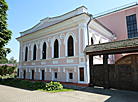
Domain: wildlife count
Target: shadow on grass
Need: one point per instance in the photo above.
(18, 87)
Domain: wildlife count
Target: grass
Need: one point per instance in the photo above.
(54, 91)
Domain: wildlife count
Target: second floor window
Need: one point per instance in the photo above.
(56, 49)
(44, 51)
(70, 46)
(131, 26)
(26, 53)
(34, 52)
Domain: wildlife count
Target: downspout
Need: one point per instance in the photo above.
(90, 15)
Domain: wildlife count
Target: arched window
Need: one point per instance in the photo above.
(70, 46)
(34, 54)
(91, 41)
(26, 53)
(56, 49)
(44, 51)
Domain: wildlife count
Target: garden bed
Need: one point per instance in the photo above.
(41, 86)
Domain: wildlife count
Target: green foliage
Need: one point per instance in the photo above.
(11, 70)
(26, 84)
(5, 34)
(3, 69)
(53, 86)
(37, 85)
(3, 60)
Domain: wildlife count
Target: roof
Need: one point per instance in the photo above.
(116, 9)
(7, 64)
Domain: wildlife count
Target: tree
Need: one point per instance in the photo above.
(5, 34)
(3, 61)
(12, 61)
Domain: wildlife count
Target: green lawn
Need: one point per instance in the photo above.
(54, 91)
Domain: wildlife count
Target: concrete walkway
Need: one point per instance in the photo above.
(11, 94)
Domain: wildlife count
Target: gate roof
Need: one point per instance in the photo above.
(115, 47)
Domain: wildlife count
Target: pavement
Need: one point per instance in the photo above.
(12, 94)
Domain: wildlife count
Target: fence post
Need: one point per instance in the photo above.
(106, 71)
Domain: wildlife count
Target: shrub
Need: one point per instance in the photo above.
(11, 70)
(53, 86)
(26, 84)
(37, 85)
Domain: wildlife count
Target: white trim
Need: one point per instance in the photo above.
(69, 68)
(55, 62)
(58, 58)
(40, 71)
(66, 42)
(54, 68)
(70, 60)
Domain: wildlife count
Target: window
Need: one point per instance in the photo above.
(55, 74)
(131, 26)
(24, 74)
(91, 41)
(56, 49)
(18, 73)
(70, 46)
(70, 75)
(32, 74)
(81, 74)
(26, 53)
(44, 51)
(34, 54)
(43, 74)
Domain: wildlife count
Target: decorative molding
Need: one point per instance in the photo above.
(69, 68)
(33, 63)
(55, 62)
(54, 68)
(70, 60)
(49, 39)
(61, 36)
(43, 62)
(25, 64)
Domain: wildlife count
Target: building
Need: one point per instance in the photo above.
(53, 49)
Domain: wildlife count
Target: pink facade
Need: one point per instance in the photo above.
(65, 68)
(116, 22)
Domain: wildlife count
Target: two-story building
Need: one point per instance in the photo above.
(53, 49)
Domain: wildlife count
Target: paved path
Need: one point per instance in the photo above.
(11, 94)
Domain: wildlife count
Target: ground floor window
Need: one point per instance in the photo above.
(55, 74)
(24, 74)
(81, 73)
(43, 74)
(32, 74)
(18, 73)
(70, 75)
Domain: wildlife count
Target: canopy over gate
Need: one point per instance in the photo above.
(115, 47)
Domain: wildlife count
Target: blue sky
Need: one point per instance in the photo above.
(24, 14)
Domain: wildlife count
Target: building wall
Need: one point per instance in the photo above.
(116, 22)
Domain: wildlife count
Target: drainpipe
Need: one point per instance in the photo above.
(90, 15)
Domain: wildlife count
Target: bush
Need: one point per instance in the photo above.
(11, 70)
(37, 85)
(53, 86)
(26, 84)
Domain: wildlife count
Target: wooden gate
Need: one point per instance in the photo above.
(121, 75)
